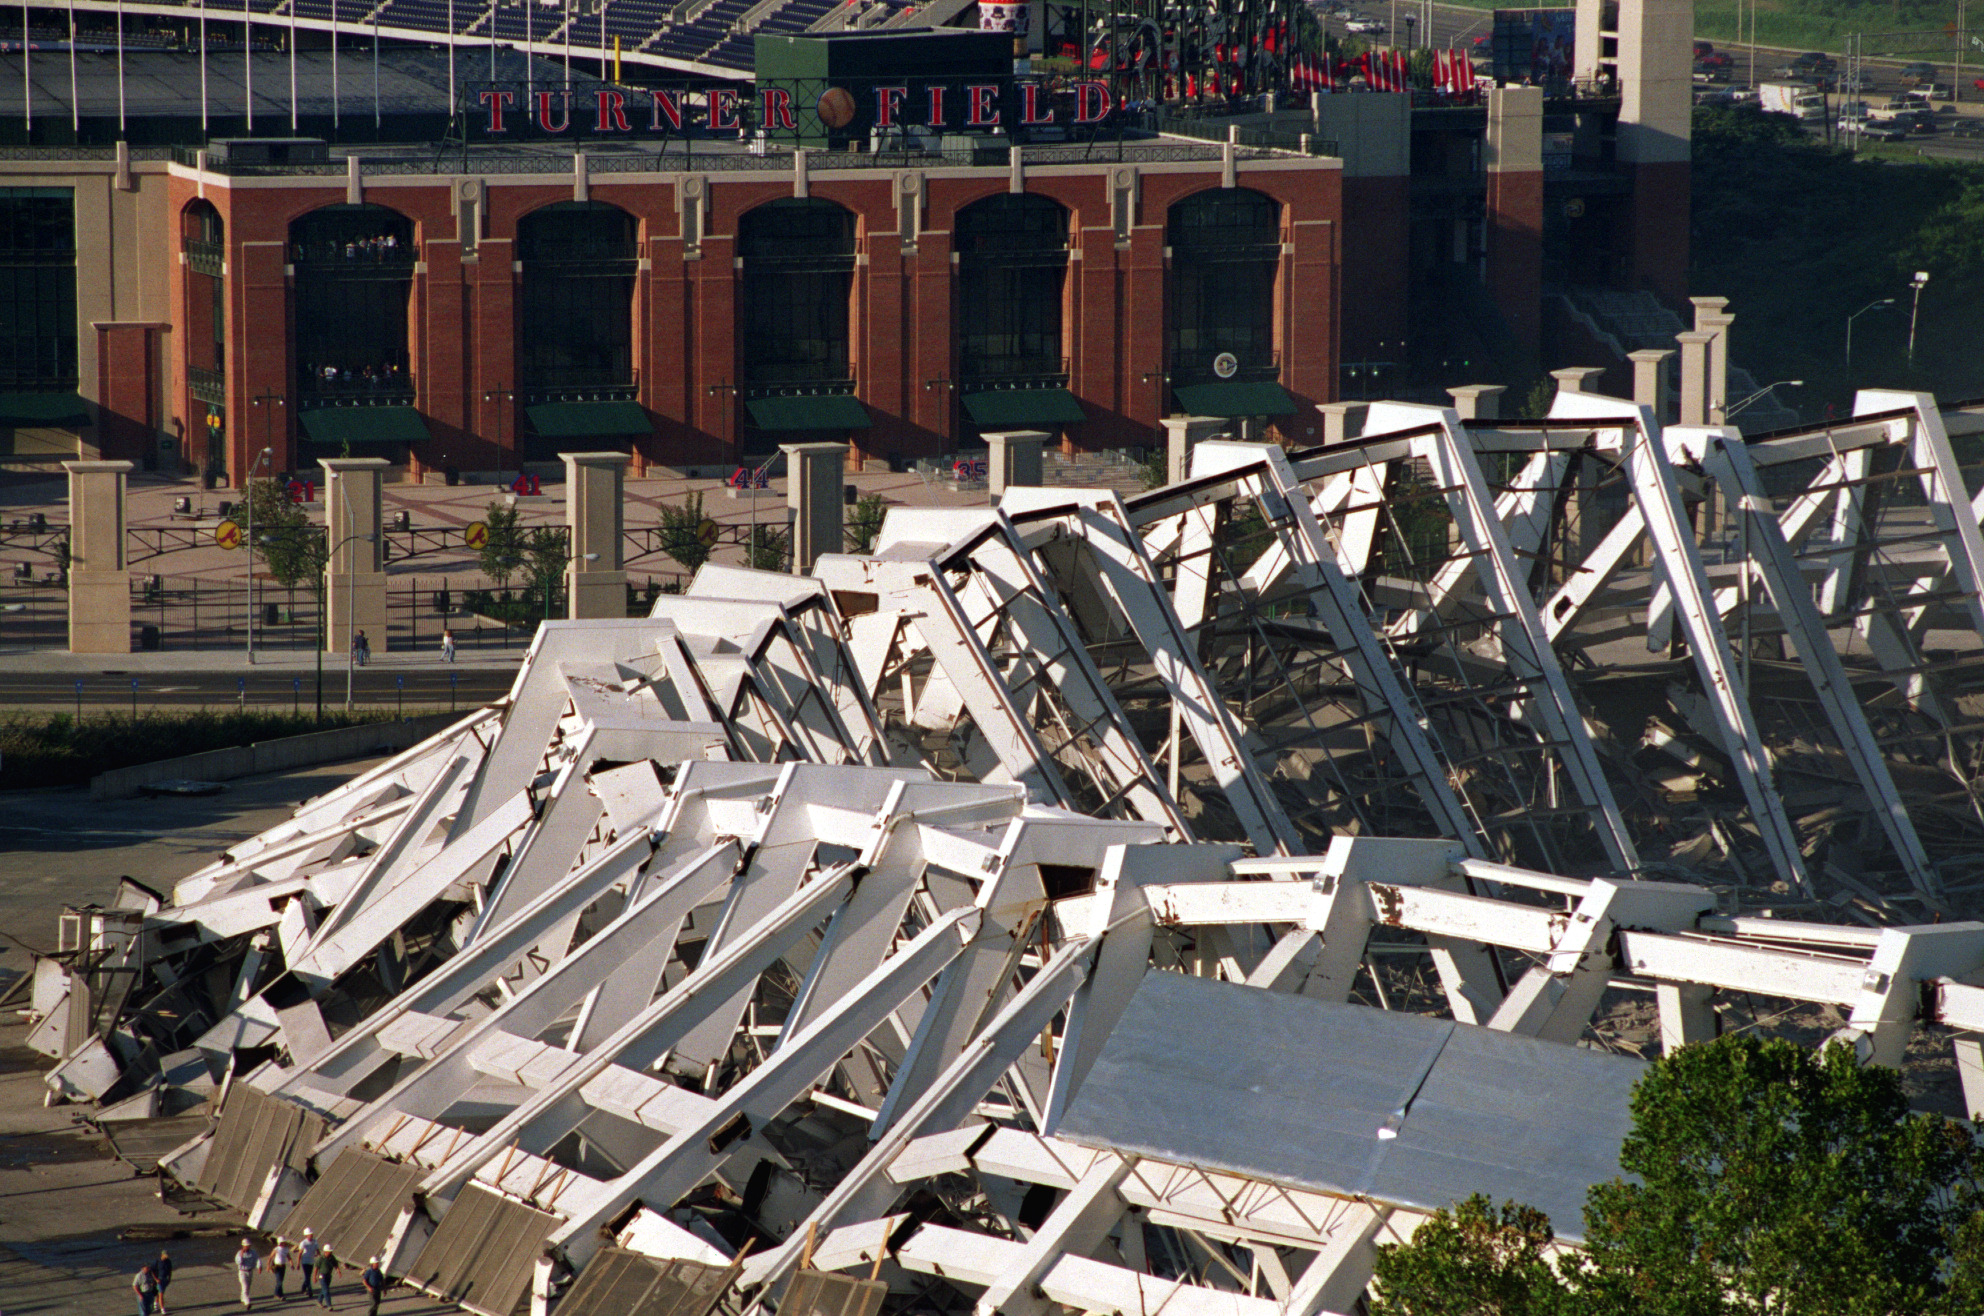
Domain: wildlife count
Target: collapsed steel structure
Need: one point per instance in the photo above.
(1038, 910)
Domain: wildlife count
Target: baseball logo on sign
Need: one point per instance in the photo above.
(836, 107)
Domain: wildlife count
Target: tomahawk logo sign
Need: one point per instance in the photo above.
(780, 109)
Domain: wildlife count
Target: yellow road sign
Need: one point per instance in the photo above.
(476, 535)
(706, 532)
(227, 535)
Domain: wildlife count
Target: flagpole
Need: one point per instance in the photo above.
(120, 69)
(451, 58)
(27, 72)
(75, 110)
(203, 65)
(375, 73)
(337, 98)
(292, 69)
(248, 65)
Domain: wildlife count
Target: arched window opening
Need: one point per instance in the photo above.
(1225, 253)
(1012, 262)
(354, 276)
(575, 308)
(792, 309)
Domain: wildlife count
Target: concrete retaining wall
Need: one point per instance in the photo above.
(273, 755)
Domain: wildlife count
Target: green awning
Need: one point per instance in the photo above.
(1236, 399)
(362, 426)
(1023, 406)
(585, 420)
(22, 411)
(825, 411)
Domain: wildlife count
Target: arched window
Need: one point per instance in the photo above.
(203, 237)
(575, 309)
(1225, 250)
(792, 308)
(1012, 260)
(354, 274)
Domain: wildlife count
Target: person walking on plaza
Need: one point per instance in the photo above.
(279, 1264)
(361, 649)
(447, 646)
(374, 1281)
(162, 1272)
(145, 1285)
(246, 1263)
(327, 1266)
(306, 1259)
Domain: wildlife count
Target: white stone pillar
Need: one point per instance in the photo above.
(355, 592)
(1478, 401)
(1343, 421)
(595, 498)
(1694, 376)
(1573, 379)
(1650, 379)
(1181, 435)
(1014, 459)
(99, 575)
(814, 475)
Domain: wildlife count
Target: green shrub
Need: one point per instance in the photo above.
(55, 749)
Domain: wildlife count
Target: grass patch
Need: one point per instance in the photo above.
(55, 749)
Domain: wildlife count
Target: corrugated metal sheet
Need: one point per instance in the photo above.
(256, 1133)
(617, 1282)
(482, 1253)
(353, 1205)
(822, 1293)
(1342, 1098)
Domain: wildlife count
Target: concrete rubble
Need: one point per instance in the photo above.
(901, 935)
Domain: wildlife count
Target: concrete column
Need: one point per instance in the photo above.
(1656, 112)
(1694, 376)
(1181, 435)
(596, 586)
(1014, 460)
(1478, 401)
(1650, 379)
(99, 580)
(1343, 421)
(1572, 379)
(1718, 364)
(813, 481)
(355, 593)
(1514, 158)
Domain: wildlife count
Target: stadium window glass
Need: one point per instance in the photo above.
(792, 307)
(1225, 251)
(576, 304)
(354, 276)
(37, 289)
(1012, 261)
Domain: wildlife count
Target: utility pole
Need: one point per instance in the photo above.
(1920, 282)
(268, 402)
(504, 395)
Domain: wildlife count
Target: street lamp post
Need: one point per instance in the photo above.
(249, 542)
(350, 611)
(1920, 281)
(1758, 395)
(1885, 301)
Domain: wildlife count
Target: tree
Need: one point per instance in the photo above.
(767, 549)
(681, 532)
(502, 553)
(545, 553)
(1765, 1179)
(866, 523)
(294, 550)
(1474, 1260)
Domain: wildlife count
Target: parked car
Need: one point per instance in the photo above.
(1816, 62)
(1884, 132)
(1367, 26)
(1967, 128)
(1919, 72)
(1704, 48)
(1715, 59)
(1979, 84)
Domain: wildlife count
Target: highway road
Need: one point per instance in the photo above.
(107, 688)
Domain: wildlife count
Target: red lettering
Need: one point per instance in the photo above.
(1030, 105)
(984, 105)
(544, 111)
(888, 103)
(723, 111)
(669, 104)
(775, 108)
(612, 113)
(1091, 102)
(496, 101)
(936, 119)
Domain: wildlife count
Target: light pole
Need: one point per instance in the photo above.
(1782, 383)
(1885, 301)
(249, 543)
(1920, 282)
